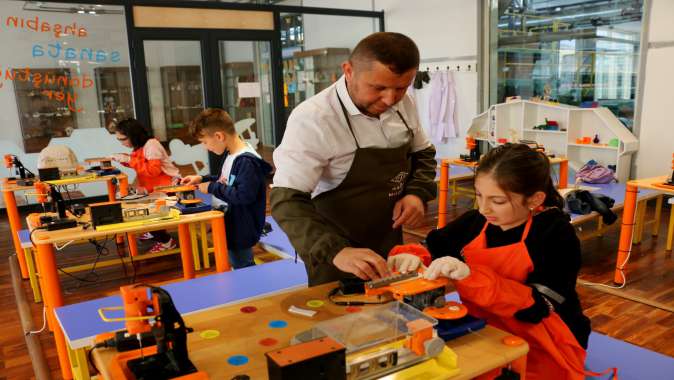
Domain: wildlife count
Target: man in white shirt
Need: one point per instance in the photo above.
(355, 165)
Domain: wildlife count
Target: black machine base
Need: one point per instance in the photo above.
(158, 367)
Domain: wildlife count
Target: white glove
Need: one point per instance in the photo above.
(404, 262)
(449, 267)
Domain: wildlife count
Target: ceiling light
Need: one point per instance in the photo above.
(81, 11)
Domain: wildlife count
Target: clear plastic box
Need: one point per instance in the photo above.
(372, 325)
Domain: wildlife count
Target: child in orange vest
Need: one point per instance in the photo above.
(153, 168)
(515, 261)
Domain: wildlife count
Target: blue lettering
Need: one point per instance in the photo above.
(71, 53)
(100, 56)
(114, 56)
(38, 51)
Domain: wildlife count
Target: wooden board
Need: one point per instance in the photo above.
(651, 183)
(240, 334)
(159, 17)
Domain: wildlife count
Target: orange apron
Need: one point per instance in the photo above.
(495, 290)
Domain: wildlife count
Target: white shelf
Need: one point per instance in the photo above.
(544, 131)
(594, 146)
(514, 120)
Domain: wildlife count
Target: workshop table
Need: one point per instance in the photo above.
(240, 333)
(630, 219)
(9, 188)
(49, 278)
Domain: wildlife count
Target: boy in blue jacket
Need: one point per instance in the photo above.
(241, 183)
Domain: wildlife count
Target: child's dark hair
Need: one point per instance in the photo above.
(212, 120)
(135, 131)
(521, 170)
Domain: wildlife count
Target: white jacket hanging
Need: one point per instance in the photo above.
(442, 104)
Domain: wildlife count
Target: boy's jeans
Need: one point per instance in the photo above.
(241, 258)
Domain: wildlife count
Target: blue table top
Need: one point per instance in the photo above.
(615, 191)
(81, 322)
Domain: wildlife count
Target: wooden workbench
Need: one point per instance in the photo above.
(240, 334)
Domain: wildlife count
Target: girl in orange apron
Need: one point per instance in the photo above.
(514, 261)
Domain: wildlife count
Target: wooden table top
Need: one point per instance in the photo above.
(240, 334)
(77, 233)
(650, 183)
(7, 186)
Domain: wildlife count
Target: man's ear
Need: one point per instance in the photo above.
(536, 200)
(347, 68)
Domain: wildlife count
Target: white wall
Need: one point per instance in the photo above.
(656, 130)
(441, 28)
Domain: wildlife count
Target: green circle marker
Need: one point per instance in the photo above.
(209, 334)
(315, 303)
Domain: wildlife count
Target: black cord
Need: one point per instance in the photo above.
(90, 360)
(101, 250)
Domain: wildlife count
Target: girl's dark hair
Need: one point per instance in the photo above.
(521, 170)
(135, 131)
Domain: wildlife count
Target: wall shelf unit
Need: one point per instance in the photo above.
(515, 120)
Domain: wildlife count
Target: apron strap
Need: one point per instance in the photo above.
(348, 122)
(409, 130)
(527, 228)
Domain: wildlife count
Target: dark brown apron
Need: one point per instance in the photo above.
(361, 207)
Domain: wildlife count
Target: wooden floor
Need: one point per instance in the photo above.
(650, 275)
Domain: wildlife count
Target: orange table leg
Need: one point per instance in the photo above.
(563, 174)
(626, 230)
(133, 244)
(442, 193)
(15, 226)
(220, 245)
(53, 298)
(123, 186)
(112, 197)
(186, 250)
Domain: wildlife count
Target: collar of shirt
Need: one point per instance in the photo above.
(351, 107)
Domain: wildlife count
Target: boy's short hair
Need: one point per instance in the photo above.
(212, 120)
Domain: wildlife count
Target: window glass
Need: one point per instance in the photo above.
(578, 53)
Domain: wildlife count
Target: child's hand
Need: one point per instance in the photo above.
(121, 157)
(203, 187)
(449, 267)
(191, 180)
(404, 262)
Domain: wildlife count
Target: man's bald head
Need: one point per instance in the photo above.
(394, 50)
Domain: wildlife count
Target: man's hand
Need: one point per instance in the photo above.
(191, 180)
(362, 262)
(409, 210)
(203, 187)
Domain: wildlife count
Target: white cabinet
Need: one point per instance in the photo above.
(514, 121)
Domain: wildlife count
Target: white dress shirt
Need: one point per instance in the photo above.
(317, 149)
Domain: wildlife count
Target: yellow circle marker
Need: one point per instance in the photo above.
(209, 334)
(315, 303)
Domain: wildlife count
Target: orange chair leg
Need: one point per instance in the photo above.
(133, 244)
(563, 174)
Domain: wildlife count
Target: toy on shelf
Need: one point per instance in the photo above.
(549, 125)
(168, 357)
(596, 139)
(26, 177)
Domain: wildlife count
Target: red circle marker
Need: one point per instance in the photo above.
(248, 309)
(268, 342)
(353, 309)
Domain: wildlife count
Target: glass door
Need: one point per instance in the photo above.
(175, 87)
(246, 85)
